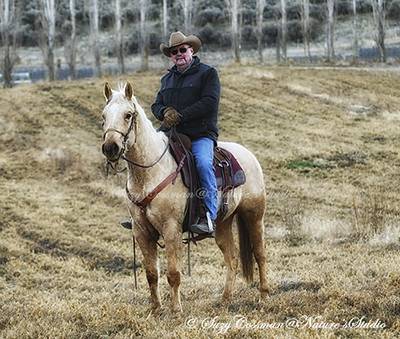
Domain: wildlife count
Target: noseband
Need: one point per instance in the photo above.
(126, 136)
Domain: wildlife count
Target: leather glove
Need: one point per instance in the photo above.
(171, 118)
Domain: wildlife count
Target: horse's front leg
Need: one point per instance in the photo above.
(173, 249)
(149, 250)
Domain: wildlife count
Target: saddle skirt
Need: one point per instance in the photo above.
(225, 164)
(228, 172)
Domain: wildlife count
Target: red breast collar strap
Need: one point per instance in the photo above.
(149, 197)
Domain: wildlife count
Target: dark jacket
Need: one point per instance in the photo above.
(195, 95)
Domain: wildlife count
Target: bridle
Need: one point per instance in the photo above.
(132, 125)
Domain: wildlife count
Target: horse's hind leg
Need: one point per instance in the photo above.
(224, 240)
(253, 221)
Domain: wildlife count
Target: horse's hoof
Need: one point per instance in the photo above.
(264, 294)
(176, 309)
(155, 307)
(226, 296)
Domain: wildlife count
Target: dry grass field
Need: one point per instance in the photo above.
(328, 141)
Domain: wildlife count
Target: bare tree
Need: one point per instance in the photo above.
(49, 30)
(165, 20)
(330, 31)
(189, 7)
(120, 46)
(260, 21)
(9, 18)
(144, 36)
(234, 12)
(70, 48)
(380, 29)
(94, 25)
(355, 36)
(165, 27)
(277, 16)
(284, 30)
(305, 18)
(188, 15)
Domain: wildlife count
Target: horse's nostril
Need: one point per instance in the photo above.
(110, 150)
(114, 148)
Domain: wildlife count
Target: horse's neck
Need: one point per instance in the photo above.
(146, 149)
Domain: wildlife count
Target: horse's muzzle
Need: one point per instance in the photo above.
(111, 150)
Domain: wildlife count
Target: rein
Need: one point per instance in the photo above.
(155, 163)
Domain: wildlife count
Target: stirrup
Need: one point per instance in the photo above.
(204, 226)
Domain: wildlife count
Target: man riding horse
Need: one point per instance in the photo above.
(189, 99)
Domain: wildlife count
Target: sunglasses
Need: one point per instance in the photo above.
(182, 50)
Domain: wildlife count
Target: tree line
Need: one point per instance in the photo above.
(51, 23)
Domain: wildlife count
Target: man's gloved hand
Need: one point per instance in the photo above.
(171, 118)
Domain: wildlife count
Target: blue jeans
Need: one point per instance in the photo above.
(203, 152)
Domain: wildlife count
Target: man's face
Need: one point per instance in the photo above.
(182, 56)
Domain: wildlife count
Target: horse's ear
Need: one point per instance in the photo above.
(128, 91)
(107, 91)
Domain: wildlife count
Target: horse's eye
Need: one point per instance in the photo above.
(128, 116)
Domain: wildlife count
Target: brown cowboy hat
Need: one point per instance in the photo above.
(178, 38)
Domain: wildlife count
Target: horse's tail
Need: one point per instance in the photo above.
(245, 248)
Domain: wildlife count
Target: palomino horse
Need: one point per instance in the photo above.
(129, 135)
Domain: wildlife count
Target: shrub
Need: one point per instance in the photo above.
(344, 8)
(316, 30)
(107, 18)
(133, 43)
(318, 12)
(364, 7)
(270, 32)
(153, 12)
(248, 36)
(249, 15)
(295, 31)
(131, 14)
(208, 15)
(293, 11)
(271, 12)
(155, 41)
(210, 36)
(29, 37)
(393, 10)
(204, 4)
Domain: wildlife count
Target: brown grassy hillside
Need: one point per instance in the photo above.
(328, 141)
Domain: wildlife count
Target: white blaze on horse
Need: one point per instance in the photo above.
(130, 135)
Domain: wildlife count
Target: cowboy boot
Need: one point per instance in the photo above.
(127, 224)
(204, 226)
